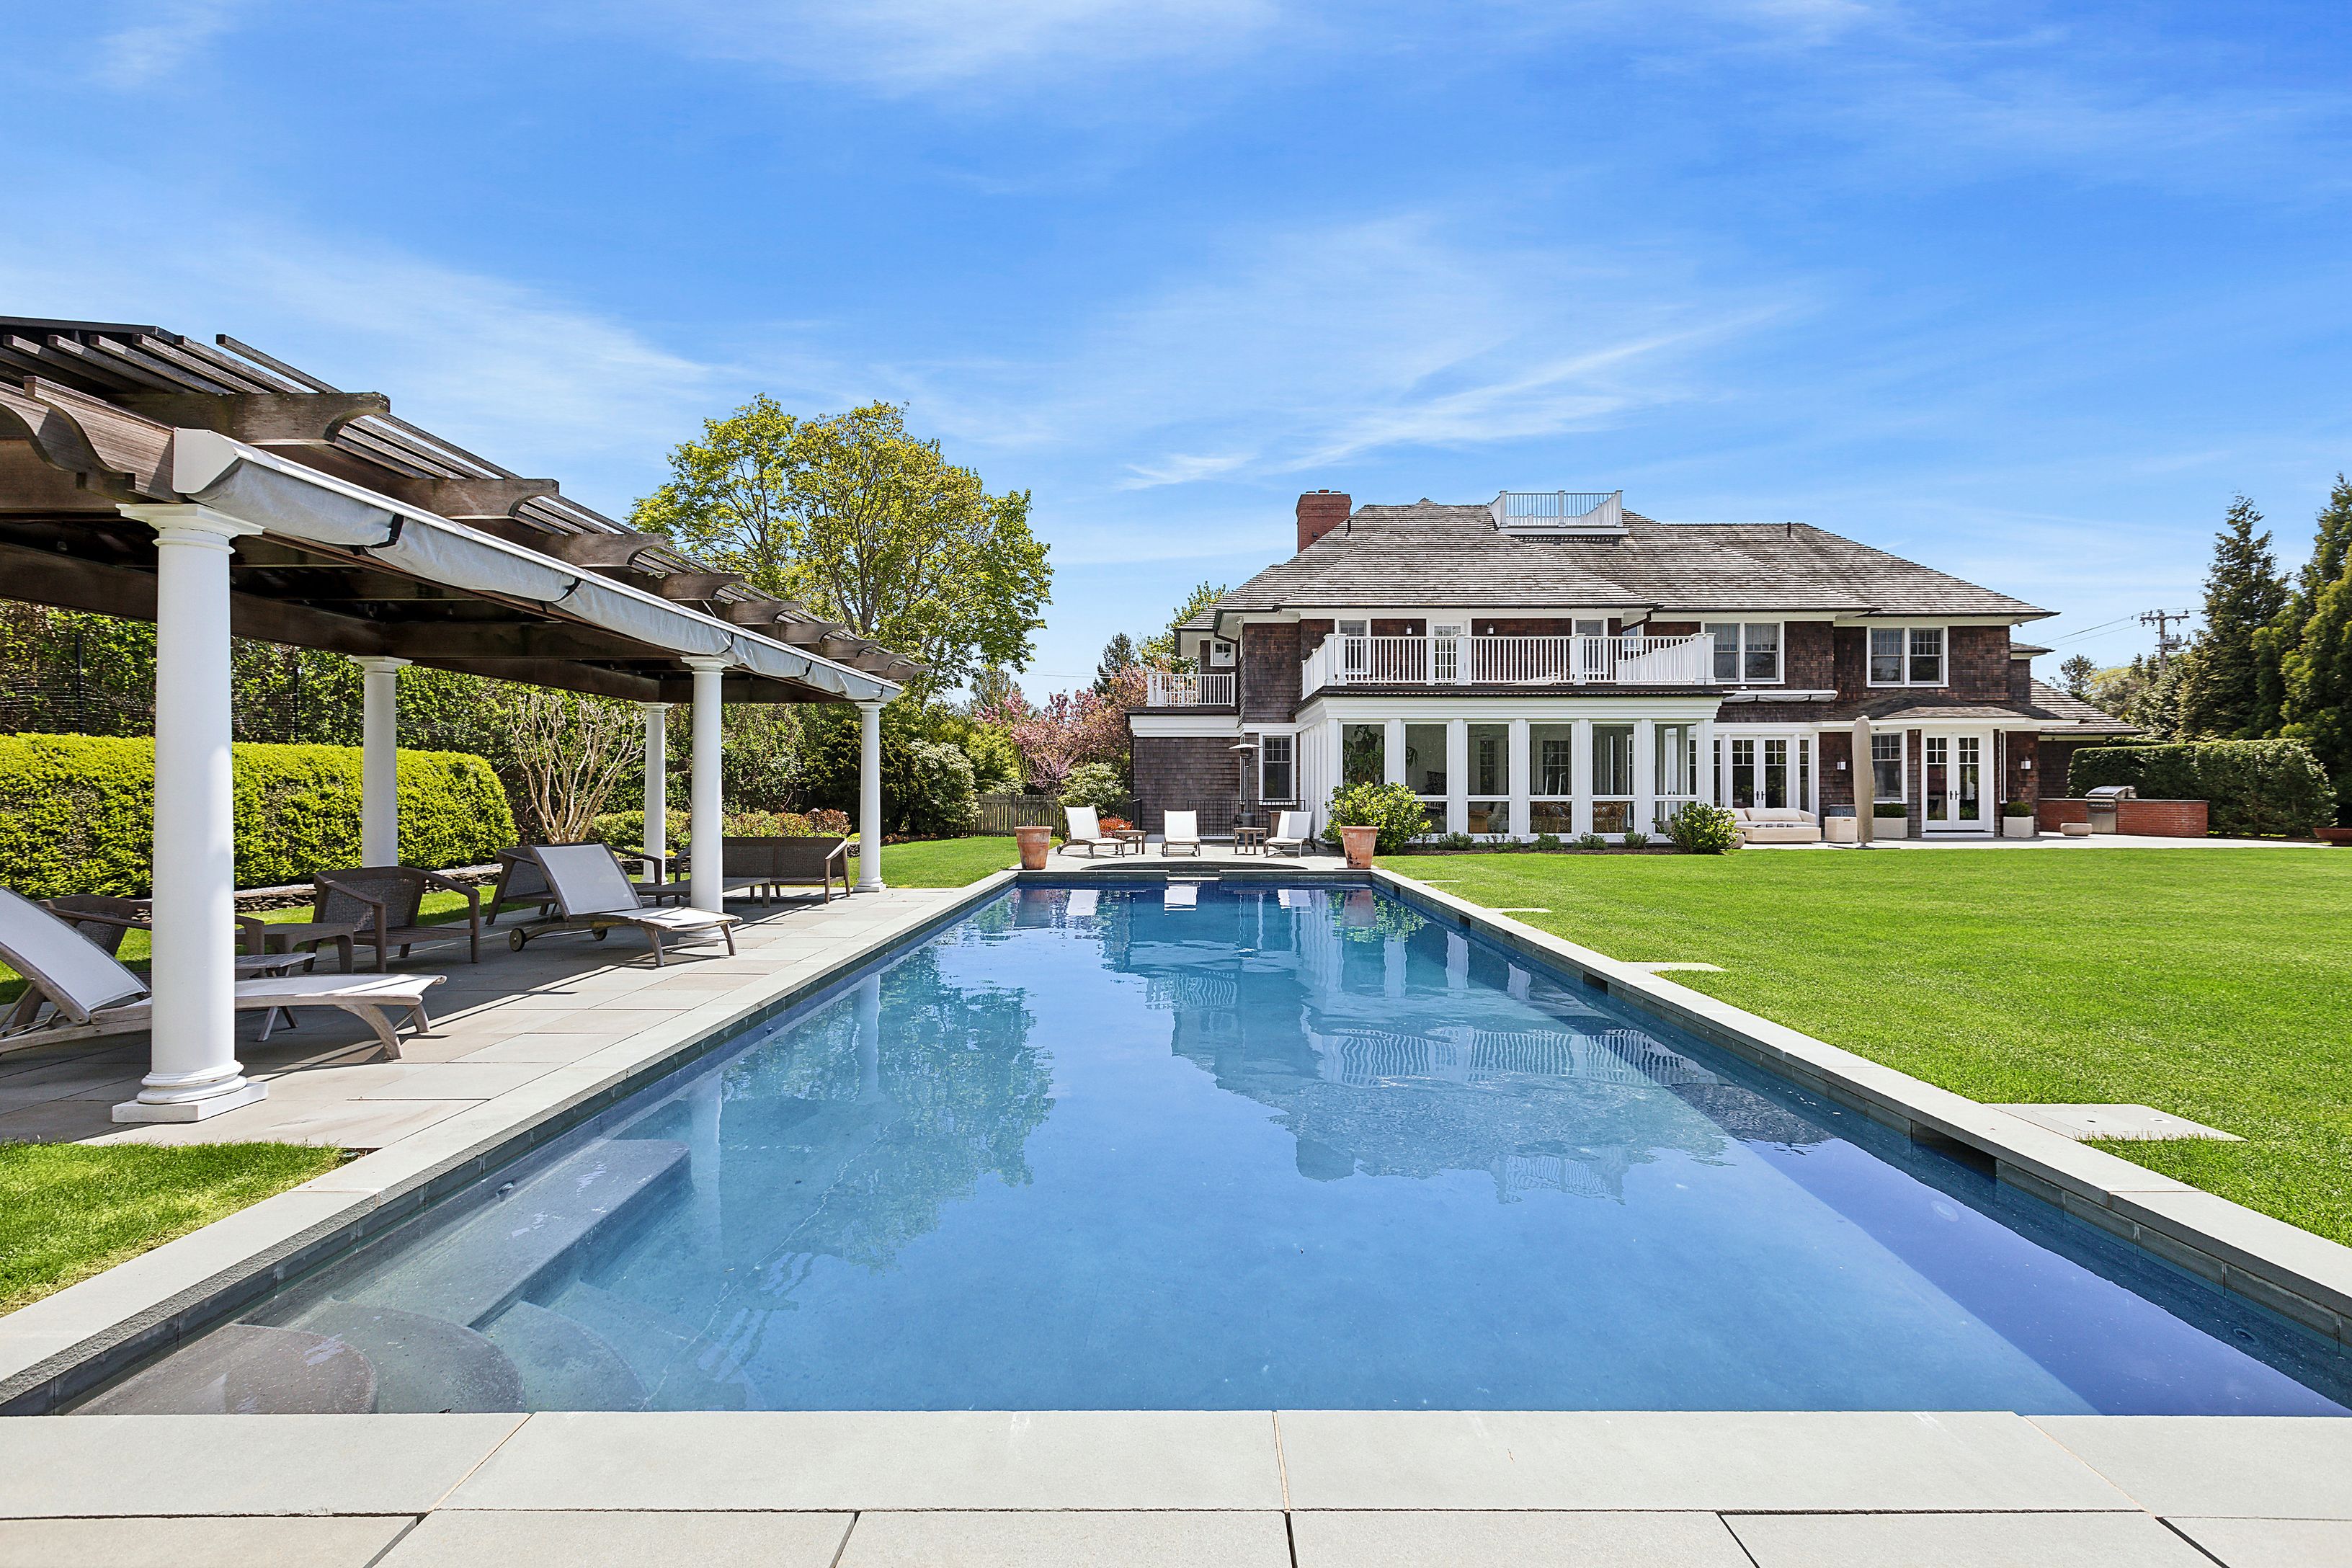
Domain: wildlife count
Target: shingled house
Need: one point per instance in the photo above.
(1549, 662)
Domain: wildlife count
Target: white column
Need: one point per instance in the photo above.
(869, 798)
(706, 825)
(1723, 774)
(1645, 775)
(193, 1072)
(380, 760)
(1522, 779)
(1392, 751)
(1705, 780)
(657, 791)
(1457, 775)
(1335, 763)
(1580, 767)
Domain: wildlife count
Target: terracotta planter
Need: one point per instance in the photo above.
(1034, 843)
(2335, 834)
(1360, 843)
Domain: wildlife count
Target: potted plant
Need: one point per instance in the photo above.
(1890, 819)
(2017, 819)
(1376, 818)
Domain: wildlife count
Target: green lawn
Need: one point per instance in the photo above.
(946, 862)
(68, 1211)
(2213, 984)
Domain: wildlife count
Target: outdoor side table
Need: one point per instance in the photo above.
(1127, 836)
(1250, 840)
(288, 935)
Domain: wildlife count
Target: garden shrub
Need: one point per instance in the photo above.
(1698, 828)
(1393, 808)
(1634, 838)
(1094, 783)
(1591, 841)
(77, 812)
(1890, 811)
(2251, 788)
(1546, 841)
(944, 804)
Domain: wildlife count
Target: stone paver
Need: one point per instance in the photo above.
(2137, 1123)
(1067, 1540)
(1390, 1539)
(130, 1465)
(197, 1542)
(2272, 1542)
(953, 1459)
(2267, 1466)
(1673, 1461)
(455, 1538)
(1963, 1540)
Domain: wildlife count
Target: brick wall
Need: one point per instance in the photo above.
(2156, 818)
(1269, 672)
(1182, 772)
(1320, 512)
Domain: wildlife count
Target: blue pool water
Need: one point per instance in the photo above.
(1238, 1147)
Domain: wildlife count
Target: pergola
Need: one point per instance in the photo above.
(219, 492)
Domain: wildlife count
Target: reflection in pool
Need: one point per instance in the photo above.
(1256, 1148)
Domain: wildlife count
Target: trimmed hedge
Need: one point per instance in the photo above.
(77, 813)
(2250, 787)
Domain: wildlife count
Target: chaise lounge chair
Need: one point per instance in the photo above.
(592, 893)
(1180, 831)
(1086, 827)
(89, 993)
(1291, 835)
(523, 885)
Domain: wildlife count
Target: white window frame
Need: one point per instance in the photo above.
(1904, 629)
(1221, 653)
(1902, 738)
(1779, 651)
(1289, 741)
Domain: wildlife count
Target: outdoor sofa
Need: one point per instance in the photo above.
(591, 893)
(765, 864)
(1776, 824)
(88, 992)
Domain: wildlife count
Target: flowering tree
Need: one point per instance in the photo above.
(1069, 729)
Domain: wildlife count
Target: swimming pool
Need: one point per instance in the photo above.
(1228, 1146)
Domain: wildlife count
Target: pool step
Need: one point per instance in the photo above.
(564, 1364)
(423, 1365)
(532, 1235)
(248, 1369)
(678, 1368)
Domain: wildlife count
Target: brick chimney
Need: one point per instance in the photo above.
(1320, 512)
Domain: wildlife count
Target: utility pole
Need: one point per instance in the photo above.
(2168, 641)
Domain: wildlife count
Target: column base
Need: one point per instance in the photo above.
(246, 1092)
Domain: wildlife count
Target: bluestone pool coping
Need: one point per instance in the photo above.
(1681, 1471)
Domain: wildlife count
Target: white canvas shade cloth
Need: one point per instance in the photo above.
(99, 994)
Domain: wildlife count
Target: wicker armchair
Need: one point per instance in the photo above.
(384, 902)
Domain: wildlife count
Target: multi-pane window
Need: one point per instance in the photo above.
(1554, 747)
(1746, 651)
(1490, 778)
(1362, 754)
(1613, 777)
(1886, 766)
(1772, 773)
(1275, 765)
(1906, 656)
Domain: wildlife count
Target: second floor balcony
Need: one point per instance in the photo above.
(1180, 688)
(1622, 660)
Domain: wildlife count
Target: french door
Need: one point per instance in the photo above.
(1953, 774)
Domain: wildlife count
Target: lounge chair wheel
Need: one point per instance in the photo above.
(515, 940)
(603, 932)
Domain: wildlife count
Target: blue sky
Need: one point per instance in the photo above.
(2025, 293)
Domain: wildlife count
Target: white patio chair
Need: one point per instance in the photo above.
(1292, 832)
(1180, 832)
(1086, 827)
(593, 893)
(90, 994)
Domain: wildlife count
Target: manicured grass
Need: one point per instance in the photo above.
(946, 862)
(2213, 984)
(69, 1210)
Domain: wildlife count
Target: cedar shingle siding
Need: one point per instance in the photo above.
(1182, 773)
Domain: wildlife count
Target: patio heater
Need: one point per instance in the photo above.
(1242, 749)
(1865, 796)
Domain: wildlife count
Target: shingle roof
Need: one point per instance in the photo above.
(1428, 553)
(2048, 698)
(2044, 704)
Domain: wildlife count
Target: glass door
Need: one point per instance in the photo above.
(1445, 651)
(1951, 777)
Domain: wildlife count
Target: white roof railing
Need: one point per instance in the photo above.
(1560, 511)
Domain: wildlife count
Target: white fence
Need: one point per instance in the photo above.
(1166, 690)
(1630, 660)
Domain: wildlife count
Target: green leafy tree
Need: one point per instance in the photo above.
(2077, 675)
(862, 522)
(2231, 687)
(1161, 650)
(2117, 688)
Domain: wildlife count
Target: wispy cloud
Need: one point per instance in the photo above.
(159, 36)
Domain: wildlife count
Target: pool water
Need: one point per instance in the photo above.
(1233, 1146)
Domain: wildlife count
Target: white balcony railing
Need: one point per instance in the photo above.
(1630, 660)
(1166, 689)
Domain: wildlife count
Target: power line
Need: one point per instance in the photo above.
(2167, 642)
(2091, 631)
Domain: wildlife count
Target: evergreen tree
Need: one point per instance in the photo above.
(2318, 680)
(2330, 549)
(2231, 687)
(1117, 654)
(2156, 708)
(2076, 675)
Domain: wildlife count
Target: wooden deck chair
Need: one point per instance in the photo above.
(593, 893)
(1179, 832)
(385, 902)
(1086, 827)
(89, 993)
